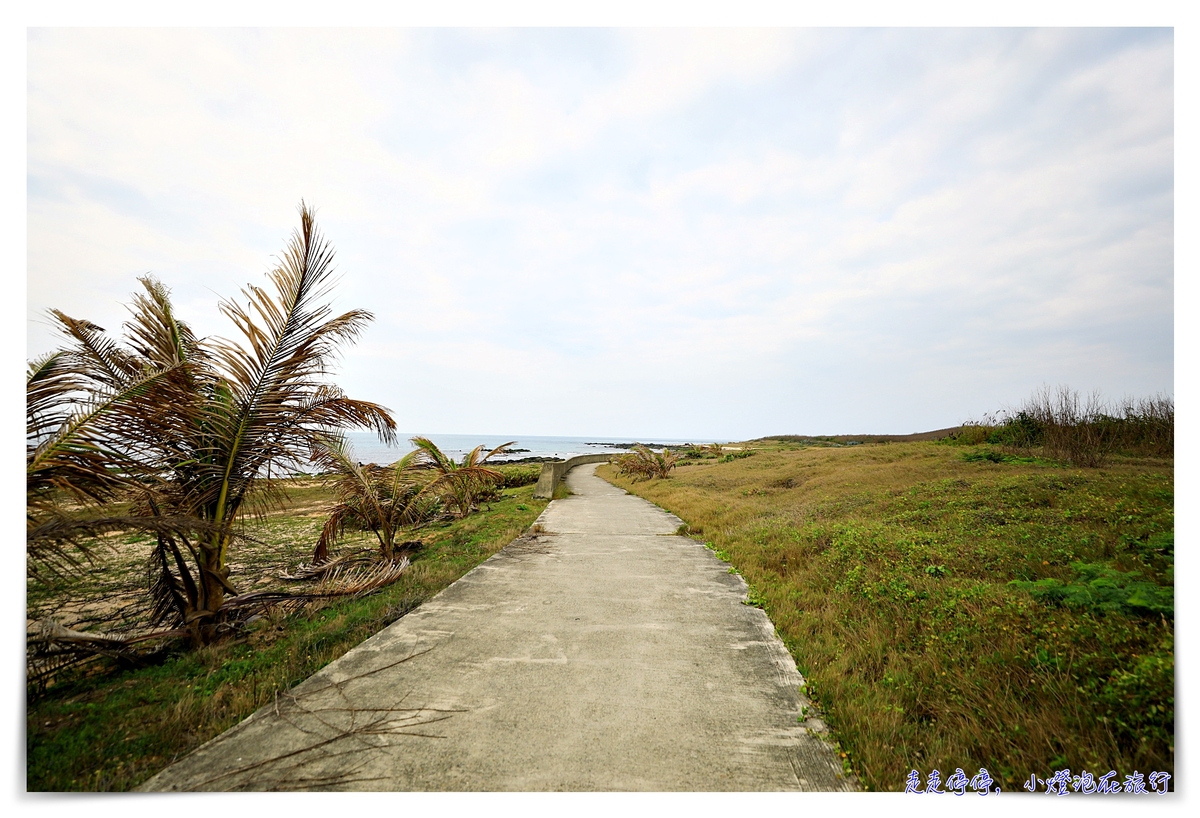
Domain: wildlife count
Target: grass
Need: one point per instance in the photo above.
(518, 474)
(957, 606)
(107, 728)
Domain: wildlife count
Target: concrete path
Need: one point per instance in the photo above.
(602, 654)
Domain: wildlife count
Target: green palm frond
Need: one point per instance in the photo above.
(459, 484)
(382, 499)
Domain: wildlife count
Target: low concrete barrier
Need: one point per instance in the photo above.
(553, 473)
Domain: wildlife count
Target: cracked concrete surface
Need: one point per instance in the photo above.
(602, 654)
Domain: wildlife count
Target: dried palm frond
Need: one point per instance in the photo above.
(347, 579)
(54, 647)
(49, 384)
(319, 570)
(357, 581)
(76, 460)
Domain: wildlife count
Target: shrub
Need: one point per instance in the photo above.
(460, 486)
(645, 463)
(518, 474)
(1099, 589)
(1082, 430)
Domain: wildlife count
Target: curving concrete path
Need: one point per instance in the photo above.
(603, 654)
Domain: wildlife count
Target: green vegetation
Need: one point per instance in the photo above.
(460, 485)
(1081, 430)
(519, 474)
(420, 487)
(104, 726)
(957, 604)
(1100, 589)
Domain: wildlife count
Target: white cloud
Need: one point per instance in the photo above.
(766, 214)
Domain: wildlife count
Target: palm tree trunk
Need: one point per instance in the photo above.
(213, 582)
(386, 542)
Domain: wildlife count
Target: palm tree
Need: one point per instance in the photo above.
(459, 484)
(198, 426)
(647, 463)
(382, 499)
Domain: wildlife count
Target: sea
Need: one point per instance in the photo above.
(368, 449)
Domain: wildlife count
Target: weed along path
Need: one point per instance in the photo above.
(600, 653)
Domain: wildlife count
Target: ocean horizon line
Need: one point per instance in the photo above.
(368, 448)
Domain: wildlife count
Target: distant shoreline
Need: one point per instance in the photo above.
(530, 449)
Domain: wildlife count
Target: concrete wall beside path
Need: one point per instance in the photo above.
(553, 473)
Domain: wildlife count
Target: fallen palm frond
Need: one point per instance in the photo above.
(55, 647)
(350, 578)
(318, 570)
(341, 568)
(358, 580)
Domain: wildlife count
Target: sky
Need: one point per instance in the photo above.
(713, 233)
(716, 233)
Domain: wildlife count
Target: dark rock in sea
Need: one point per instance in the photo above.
(647, 445)
(505, 462)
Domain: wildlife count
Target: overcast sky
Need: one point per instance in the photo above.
(710, 234)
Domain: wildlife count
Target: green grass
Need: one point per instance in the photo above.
(105, 728)
(950, 611)
(518, 474)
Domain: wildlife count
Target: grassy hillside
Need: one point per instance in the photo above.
(956, 606)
